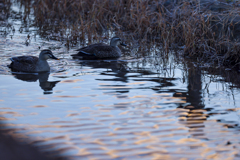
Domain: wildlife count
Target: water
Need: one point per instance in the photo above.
(126, 109)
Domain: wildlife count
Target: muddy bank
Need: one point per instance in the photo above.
(11, 149)
(16, 147)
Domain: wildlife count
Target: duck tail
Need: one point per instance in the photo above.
(81, 53)
(9, 65)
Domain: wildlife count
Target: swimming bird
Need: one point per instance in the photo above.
(31, 63)
(101, 50)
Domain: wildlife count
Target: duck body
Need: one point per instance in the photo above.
(101, 50)
(32, 64)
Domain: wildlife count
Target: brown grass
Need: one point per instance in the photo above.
(189, 26)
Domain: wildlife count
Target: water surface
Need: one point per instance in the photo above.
(118, 109)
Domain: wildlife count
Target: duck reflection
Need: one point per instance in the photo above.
(45, 85)
(118, 67)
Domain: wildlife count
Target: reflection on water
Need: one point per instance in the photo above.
(119, 68)
(46, 85)
(117, 110)
(146, 108)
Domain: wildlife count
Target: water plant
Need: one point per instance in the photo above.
(195, 28)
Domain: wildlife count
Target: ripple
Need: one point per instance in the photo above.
(101, 112)
(39, 106)
(71, 81)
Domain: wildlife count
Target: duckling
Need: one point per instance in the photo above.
(101, 50)
(31, 63)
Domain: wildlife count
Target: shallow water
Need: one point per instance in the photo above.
(125, 109)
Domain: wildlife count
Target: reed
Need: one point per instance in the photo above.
(188, 26)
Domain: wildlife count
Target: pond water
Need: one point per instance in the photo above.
(118, 109)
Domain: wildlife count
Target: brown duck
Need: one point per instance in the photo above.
(101, 50)
(31, 63)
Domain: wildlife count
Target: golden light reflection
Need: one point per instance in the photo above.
(182, 110)
(39, 106)
(144, 133)
(189, 107)
(182, 118)
(21, 94)
(5, 108)
(83, 152)
(144, 126)
(161, 156)
(123, 113)
(15, 114)
(198, 110)
(182, 114)
(63, 122)
(174, 102)
(194, 123)
(60, 73)
(72, 81)
(57, 100)
(35, 132)
(73, 114)
(7, 119)
(147, 141)
(131, 128)
(66, 137)
(187, 140)
(175, 97)
(139, 96)
(99, 142)
(178, 93)
(104, 115)
(233, 109)
(157, 146)
(156, 106)
(112, 154)
(136, 83)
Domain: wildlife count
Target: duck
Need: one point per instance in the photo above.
(101, 50)
(32, 64)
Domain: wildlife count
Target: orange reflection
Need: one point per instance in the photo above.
(40, 106)
(71, 81)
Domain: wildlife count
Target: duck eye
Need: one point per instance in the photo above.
(50, 55)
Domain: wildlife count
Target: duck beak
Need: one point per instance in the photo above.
(123, 44)
(53, 57)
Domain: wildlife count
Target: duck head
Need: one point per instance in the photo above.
(47, 54)
(116, 41)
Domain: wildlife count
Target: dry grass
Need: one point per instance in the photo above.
(187, 25)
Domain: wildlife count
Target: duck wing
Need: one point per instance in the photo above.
(104, 52)
(25, 59)
(97, 51)
(24, 63)
(91, 46)
(88, 50)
